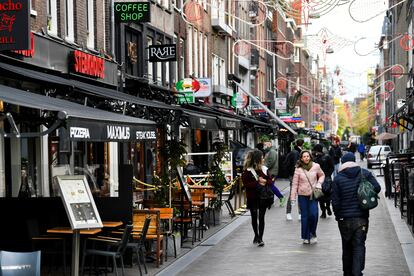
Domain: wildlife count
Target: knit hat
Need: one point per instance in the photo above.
(348, 157)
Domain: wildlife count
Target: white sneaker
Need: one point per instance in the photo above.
(299, 217)
(305, 241)
(313, 240)
(288, 216)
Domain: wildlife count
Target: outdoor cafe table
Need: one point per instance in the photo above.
(76, 242)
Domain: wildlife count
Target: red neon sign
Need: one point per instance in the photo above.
(88, 64)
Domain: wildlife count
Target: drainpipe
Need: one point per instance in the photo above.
(112, 29)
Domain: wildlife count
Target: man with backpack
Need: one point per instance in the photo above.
(352, 219)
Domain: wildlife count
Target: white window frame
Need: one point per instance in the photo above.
(69, 22)
(196, 53)
(150, 70)
(90, 23)
(222, 70)
(190, 49)
(201, 56)
(205, 55)
(32, 11)
(52, 17)
(215, 70)
(296, 57)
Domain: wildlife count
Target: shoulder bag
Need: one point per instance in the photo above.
(316, 192)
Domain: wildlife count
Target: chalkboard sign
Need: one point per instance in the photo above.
(183, 183)
(79, 204)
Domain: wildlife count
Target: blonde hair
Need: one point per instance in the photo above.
(253, 159)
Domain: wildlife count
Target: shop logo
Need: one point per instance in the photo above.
(145, 135)
(165, 52)
(79, 132)
(14, 25)
(118, 132)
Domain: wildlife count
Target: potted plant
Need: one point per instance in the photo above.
(217, 179)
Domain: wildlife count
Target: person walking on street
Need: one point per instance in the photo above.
(272, 164)
(308, 176)
(290, 163)
(327, 166)
(361, 150)
(253, 177)
(336, 153)
(352, 220)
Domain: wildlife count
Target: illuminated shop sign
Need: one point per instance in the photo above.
(126, 12)
(14, 25)
(87, 64)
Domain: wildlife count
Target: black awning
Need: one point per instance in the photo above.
(83, 122)
(116, 95)
(92, 89)
(229, 123)
(36, 75)
(201, 121)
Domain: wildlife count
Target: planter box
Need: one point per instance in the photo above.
(213, 219)
(170, 249)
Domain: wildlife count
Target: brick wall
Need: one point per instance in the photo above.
(40, 20)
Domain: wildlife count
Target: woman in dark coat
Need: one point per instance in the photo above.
(253, 177)
(327, 166)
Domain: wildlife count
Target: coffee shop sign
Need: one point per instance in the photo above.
(126, 12)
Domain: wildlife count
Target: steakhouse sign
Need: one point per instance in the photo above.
(14, 25)
(87, 64)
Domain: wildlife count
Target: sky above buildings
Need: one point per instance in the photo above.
(353, 65)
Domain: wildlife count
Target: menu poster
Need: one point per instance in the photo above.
(183, 183)
(78, 201)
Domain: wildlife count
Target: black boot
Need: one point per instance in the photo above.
(256, 239)
(323, 215)
(329, 211)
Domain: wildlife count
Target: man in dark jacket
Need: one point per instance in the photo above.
(289, 165)
(352, 220)
(335, 152)
(327, 166)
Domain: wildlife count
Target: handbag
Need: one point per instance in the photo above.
(316, 192)
(264, 192)
(327, 186)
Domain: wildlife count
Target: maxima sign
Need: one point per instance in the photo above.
(126, 12)
(160, 53)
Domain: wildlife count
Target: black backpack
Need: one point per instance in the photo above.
(266, 196)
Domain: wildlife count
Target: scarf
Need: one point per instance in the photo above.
(307, 167)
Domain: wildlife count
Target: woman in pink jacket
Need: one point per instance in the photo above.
(308, 175)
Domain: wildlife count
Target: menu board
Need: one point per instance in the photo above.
(183, 183)
(78, 201)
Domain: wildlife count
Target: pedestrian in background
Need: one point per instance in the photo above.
(252, 177)
(361, 150)
(327, 166)
(352, 220)
(308, 175)
(272, 164)
(289, 165)
(336, 153)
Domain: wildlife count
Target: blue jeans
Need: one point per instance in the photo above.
(309, 216)
(276, 190)
(353, 233)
